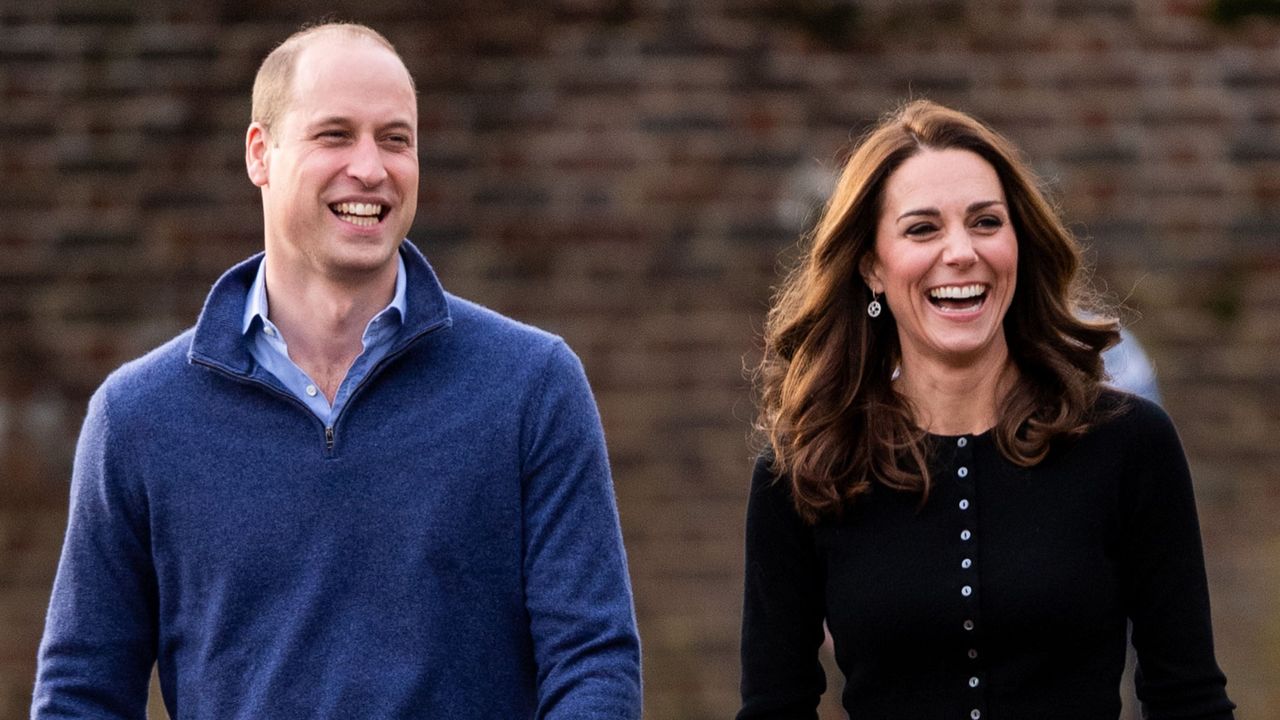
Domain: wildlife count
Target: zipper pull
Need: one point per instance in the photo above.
(328, 438)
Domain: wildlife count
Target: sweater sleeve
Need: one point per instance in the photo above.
(1165, 585)
(577, 589)
(100, 634)
(783, 605)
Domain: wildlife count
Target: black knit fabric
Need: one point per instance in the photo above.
(1004, 597)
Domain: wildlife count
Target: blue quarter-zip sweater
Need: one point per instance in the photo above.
(449, 550)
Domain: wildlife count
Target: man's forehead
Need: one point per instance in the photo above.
(332, 55)
(337, 76)
(333, 50)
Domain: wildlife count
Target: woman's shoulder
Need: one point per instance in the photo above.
(1136, 423)
(767, 476)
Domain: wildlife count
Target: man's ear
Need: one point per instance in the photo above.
(257, 148)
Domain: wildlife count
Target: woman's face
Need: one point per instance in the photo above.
(946, 258)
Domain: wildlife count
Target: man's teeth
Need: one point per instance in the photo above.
(957, 292)
(365, 214)
(350, 208)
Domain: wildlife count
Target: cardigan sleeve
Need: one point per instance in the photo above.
(1164, 578)
(577, 590)
(783, 606)
(100, 634)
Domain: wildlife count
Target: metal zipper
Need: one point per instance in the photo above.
(329, 432)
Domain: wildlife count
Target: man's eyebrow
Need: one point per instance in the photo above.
(331, 120)
(345, 121)
(935, 212)
(399, 125)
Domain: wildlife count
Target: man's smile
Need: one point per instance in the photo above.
(362, 214)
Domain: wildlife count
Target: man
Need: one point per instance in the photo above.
(345, 493)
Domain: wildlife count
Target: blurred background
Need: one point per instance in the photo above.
(632, 174)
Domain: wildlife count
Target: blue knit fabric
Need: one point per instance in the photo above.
(451, 551)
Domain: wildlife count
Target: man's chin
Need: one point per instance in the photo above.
(361, 262)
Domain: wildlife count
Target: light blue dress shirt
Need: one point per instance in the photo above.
(270, 350)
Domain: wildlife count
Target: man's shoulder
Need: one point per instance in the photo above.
(483, 326)
(153, 374)
(505, 353)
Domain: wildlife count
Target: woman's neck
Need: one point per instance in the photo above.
(956, 399)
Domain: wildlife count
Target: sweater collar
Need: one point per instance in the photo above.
(217, 339)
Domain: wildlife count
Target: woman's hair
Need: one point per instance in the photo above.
(829, 409)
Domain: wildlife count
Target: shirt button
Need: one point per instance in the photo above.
(964, 504)
(975, 713)
(973, 682)
(964, 534)
(966, 591)
(968, 625)
(962, 442)
(963, 472)
(270, 331)
(311, 391)
(966, 563)
(973, 654)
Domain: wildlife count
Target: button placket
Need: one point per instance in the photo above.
(963, 461)
(968, 538)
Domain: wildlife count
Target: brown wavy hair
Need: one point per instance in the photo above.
(829, 410)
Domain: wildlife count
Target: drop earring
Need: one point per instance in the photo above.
(874, 307)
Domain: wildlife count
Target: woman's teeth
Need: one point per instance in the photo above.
(958, 298)
(958, 292)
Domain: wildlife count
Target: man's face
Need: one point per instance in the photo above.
(339, 171)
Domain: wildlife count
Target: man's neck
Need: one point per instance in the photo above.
(323, 321)
(957, 399)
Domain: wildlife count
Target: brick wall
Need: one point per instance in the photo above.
(630, 174)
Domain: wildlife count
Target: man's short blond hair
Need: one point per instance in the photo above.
(273, 86)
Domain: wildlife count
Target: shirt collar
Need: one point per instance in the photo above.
(255, 305)
(215, 343)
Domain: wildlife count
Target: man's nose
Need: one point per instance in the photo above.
(365, 163)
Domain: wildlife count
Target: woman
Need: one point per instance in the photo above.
(948, 484)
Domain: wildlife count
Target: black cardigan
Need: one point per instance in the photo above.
(1004, 597)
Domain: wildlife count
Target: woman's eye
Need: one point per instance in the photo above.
(989, 222)
(921, 229)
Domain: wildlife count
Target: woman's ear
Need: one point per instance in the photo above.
(869, 269)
